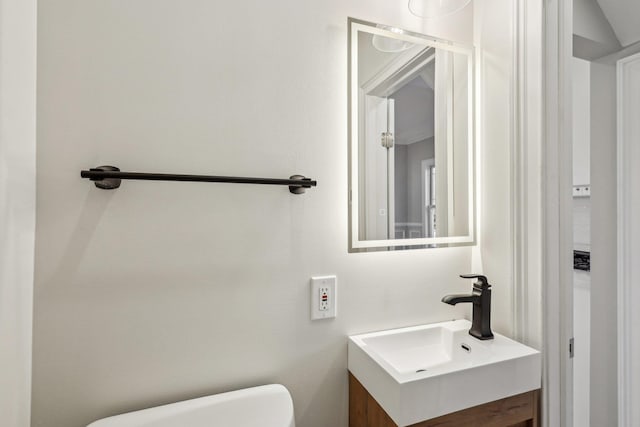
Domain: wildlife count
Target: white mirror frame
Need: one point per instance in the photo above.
(355, 243)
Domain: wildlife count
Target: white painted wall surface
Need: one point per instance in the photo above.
(582, 335)
(603, 390)
(158, 292)
(17, 206)
(528, 179)
(493, 22)
(581, 107)
(581, 118)
(581, 313)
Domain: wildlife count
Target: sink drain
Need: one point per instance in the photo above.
(421, 370)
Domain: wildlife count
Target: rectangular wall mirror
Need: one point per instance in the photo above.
(411, 142)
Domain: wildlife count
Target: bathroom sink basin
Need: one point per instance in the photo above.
(423, 372)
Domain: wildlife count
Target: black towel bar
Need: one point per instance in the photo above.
(109, 178)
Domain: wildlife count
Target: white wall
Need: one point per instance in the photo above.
(603, 393)
(157, 291)
(17, 206)
(493, 22)
(581, 360)
(581, 110)
(581, 80)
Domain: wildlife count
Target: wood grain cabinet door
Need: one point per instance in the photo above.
(521, 410)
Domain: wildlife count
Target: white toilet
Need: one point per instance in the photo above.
(264, 406)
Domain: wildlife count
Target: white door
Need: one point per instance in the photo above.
(629, 241)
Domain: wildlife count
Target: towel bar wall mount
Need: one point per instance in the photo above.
(110, 178)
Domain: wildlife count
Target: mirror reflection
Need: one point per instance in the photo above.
(411, 140)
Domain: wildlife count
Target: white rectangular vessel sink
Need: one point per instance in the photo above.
(423, 372)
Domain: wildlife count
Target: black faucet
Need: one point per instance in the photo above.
(481, 299)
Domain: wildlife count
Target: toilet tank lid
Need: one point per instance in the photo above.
(262, 406)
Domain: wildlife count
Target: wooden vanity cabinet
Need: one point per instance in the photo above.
(521, 410)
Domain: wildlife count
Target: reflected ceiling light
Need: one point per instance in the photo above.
(436, 8)
(387, 44)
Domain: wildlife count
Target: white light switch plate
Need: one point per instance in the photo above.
(323, 297)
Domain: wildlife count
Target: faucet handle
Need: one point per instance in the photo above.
(482, 280)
